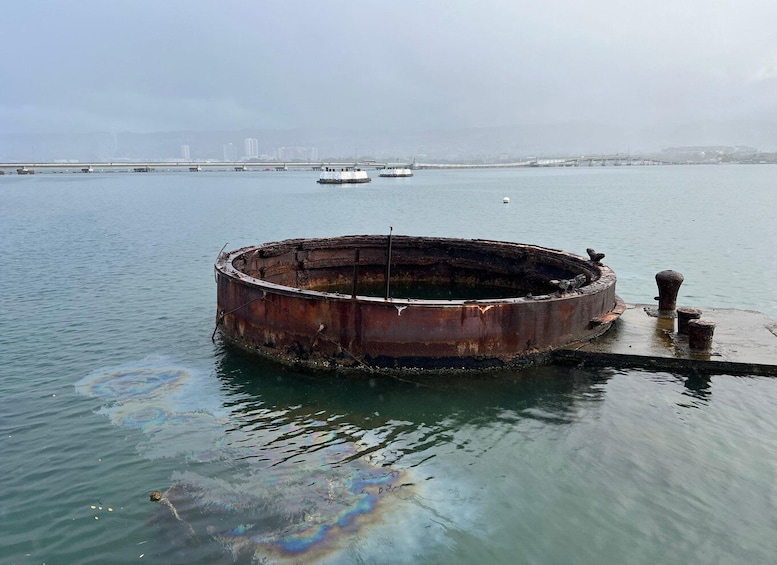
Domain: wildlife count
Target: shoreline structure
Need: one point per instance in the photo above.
(200, 166)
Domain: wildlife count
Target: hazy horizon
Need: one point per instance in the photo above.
(622, 74)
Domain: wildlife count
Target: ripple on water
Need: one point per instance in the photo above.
(300, 492)
(567, 466)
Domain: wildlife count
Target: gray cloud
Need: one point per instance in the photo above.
(196, 65)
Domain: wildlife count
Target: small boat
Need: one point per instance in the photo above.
(396, 172)
(241, 168)
(195, 169)
(344, 175)
(25, 171)
(143, 169)
(88, 169)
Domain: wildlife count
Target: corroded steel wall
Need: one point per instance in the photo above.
(286, 321)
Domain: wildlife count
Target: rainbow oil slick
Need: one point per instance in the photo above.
(239, 489)
(127, 384)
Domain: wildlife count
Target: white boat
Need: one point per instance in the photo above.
(344, 175)
(396, 172)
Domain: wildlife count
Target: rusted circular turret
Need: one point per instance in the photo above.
(378, 302)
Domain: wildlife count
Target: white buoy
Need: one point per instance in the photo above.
(506, 200)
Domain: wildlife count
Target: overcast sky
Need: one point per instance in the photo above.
(151, 65)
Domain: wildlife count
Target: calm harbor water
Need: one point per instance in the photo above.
(110, 385)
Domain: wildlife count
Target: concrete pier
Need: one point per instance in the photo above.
(744, 343)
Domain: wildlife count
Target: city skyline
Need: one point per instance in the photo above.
(467, 145)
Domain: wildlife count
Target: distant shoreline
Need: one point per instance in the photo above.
(243, 166)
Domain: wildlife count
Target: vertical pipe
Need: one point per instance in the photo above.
(685, 315)
(700, 334)
(355, 272)
(388, 263)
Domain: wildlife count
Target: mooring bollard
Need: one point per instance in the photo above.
(685, 315)
(668, 285)
(700, 334)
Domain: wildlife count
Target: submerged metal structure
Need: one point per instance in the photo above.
(404, 302)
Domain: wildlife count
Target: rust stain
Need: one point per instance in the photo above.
(299, 301)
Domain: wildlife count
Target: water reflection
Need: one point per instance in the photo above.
(399, 422)
(693, 389)
(368, 401)
(699, 389)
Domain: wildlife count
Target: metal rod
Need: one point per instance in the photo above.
(355, 272)
(388, 264)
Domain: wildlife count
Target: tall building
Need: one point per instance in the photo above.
(230, 153)
(186, 153)
(296, 153)
(251, 148)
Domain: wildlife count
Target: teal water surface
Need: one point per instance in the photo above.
(110, 385)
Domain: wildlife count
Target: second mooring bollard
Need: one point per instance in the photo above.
(700, 334)
(685, 315)
(668, 285)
